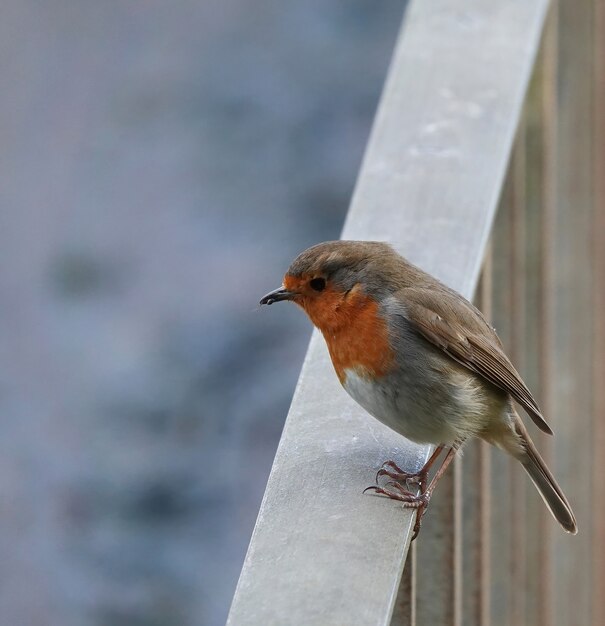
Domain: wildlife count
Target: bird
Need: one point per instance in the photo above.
(421, 359)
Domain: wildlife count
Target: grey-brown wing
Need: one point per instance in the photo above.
(468, 340)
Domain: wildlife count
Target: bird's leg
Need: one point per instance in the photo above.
(421, 500)
(419, 478)
(449, 457)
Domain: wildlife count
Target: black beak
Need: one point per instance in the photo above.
(277, 296)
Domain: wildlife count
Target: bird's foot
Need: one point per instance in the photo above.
(410, 500)
(395, 473)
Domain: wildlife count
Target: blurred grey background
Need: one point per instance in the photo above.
(160, 165)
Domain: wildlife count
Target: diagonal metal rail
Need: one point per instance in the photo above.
(321, 552)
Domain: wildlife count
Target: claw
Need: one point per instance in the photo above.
(399, 487)
(410, 479)
(410, 500)
(399, 478)
(384, 472)
(393, 466)
(419, 515)
(417, 525)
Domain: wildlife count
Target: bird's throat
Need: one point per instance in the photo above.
(357, 337)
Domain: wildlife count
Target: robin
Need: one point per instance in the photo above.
(421, 359)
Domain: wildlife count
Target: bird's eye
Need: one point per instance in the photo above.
(318, 284)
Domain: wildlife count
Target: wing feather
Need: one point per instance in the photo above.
(468, 339)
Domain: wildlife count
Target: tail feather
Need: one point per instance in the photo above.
(545, 482)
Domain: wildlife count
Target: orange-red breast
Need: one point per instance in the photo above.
(418, 357)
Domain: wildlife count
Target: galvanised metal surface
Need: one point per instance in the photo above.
(321, 552)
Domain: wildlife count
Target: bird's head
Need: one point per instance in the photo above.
(333, 280)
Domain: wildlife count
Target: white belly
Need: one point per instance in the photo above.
(407, 409)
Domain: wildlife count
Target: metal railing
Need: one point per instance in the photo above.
(435, 170)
